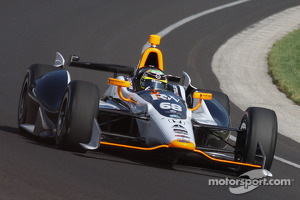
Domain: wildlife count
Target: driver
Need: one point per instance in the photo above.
(153, 79)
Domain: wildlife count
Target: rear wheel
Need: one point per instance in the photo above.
(259, 125)
(22, 108)
(36, 71)
(78, 109)
(28, 108)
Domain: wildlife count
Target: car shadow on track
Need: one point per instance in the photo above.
(130, 157)
(152, 159)
(9, 129)
(30, 138)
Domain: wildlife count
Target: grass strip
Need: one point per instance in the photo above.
(284, 65)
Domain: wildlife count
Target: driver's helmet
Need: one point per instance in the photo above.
(153, 79)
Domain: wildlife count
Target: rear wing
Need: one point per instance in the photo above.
(116, 69)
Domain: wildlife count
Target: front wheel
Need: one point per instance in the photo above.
(77, 111)
(259, 125)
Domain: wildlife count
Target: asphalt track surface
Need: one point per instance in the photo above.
(114, 32)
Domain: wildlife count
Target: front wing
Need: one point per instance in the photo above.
(211, 155)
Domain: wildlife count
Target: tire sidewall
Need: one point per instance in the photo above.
(22, 106)
(81, 101)
(62, 124)
(261, 126)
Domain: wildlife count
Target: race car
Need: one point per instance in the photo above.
(145, 110)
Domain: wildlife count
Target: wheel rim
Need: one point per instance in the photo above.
(241, 141)
(243, 125)
(61, 124)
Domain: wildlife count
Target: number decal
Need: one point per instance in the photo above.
(165, 105)
(176, 107)
(169, 106)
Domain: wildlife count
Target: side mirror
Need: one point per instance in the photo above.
(120, 84)
(200, 96)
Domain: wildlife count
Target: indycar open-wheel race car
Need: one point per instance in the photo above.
(164, 112)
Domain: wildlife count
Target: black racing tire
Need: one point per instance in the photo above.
(27, 108)
(259, 125)
(23, 105)
(78, 109)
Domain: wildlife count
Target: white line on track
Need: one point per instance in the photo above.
(233, 138)
(182, 22)
(287, 162)
(176, 25)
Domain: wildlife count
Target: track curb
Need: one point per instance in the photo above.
(241, 66)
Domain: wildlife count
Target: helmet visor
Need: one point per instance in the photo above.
(153, 84)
